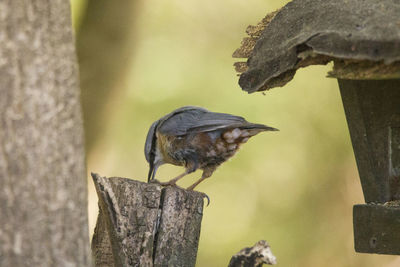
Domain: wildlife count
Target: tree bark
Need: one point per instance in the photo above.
(43, 188)
(178, 233)
(146, 225)
(101, 246)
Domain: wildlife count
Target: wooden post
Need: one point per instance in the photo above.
(142, 224)
(373, 115)
(372, 110)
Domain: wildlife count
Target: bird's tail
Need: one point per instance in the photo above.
(260, 127)
(254, 128)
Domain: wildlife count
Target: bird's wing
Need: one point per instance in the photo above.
(196, 120)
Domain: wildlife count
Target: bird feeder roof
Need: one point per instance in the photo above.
(362, 37)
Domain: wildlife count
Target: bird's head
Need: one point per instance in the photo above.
(150, 148)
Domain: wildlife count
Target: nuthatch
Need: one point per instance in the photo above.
(197, 139)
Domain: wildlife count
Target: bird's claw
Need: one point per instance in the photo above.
(206, 197)
(169, 183)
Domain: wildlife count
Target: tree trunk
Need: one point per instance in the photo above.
(144, 225)
(43, 188)
(105, 45)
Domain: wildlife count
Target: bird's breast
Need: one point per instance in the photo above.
(168, 149)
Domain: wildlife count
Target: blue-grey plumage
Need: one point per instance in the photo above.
(197, 139)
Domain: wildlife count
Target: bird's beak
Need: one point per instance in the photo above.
(152, 170)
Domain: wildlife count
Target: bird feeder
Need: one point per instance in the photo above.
(362, 38)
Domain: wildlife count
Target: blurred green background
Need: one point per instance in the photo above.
(295, 188)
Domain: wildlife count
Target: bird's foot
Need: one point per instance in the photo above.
(173, 183)
(169, 183)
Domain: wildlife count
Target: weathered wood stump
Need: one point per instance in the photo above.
(142, 224)
(255, 256)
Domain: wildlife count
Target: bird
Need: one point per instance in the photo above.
(196, 138)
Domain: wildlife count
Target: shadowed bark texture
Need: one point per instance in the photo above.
(146, 225)
(101, 246)
(43, 188)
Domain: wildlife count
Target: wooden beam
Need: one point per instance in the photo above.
(372, 109)
(377, 228)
